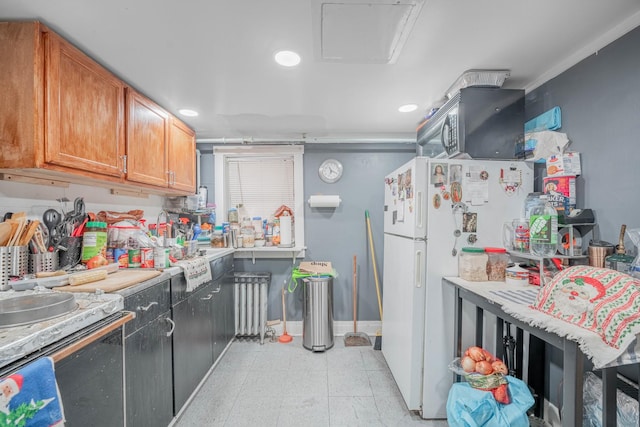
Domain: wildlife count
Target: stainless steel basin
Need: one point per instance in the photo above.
(34, 308)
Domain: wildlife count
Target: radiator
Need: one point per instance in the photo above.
(251, 292)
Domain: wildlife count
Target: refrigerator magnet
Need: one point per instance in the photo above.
(456, 192)
(437, 201)
(438, 174)
(446, 195)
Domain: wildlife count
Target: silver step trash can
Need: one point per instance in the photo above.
(317, 313)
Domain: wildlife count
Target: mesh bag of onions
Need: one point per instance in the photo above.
(483, 371)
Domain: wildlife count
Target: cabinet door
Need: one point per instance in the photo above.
(192, 344)
(229, 307)
(84, 107)
(147, 137)
(218, 315)
(182, 157)
(149, 382)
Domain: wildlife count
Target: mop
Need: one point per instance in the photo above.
(352, 339)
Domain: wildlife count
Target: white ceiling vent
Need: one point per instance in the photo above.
(371, 32)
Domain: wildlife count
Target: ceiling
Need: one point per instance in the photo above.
(216, 56)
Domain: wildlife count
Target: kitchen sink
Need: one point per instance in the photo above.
(33, 308)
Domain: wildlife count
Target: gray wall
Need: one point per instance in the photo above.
(334, 235)
(600, 102)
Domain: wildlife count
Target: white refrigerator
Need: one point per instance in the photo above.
(433, 208)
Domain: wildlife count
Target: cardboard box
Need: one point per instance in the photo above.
(561, 192)
(567, 164)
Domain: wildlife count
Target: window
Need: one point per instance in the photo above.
(261, 179)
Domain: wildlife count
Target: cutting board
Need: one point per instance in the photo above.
(114, 282)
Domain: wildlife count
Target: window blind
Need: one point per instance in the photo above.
(260, 184)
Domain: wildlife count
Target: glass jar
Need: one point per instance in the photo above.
(232, 215)
(248, 237)
(497, 260)
(217, 239)
(472, 264)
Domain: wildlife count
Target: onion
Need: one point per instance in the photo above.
(468, 364)
(488, 356)
(500, 367)
(483, 367)
(476, 353)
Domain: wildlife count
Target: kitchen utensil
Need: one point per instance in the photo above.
(51, 219)
(355, 338)
(284, 338)
(20, 223)
(378, 343)
(5, 233)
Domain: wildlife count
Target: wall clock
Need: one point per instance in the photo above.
(330, 171)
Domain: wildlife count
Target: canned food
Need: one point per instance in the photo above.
(121, 256)
(161, 257)
(146, 257)
(135, 258)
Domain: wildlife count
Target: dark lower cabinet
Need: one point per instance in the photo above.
(91, 383)
(148, 355)
(148, 371)
(192, 343)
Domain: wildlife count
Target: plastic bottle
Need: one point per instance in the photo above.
(543, 229)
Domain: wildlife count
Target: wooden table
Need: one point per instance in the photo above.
(479, 294)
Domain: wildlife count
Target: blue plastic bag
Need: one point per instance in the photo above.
(470, 407)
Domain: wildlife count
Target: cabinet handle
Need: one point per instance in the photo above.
(173, 177)
(219, 289)
(147, 307)
(124, 163)
(173, 326)
(207, 298)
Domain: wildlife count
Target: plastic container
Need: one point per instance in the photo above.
(256, 221)
(543, 229)
(497, 260)
(516, 275)
(94, 240)
(472, 264)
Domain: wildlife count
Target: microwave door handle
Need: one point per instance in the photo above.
(445, 125)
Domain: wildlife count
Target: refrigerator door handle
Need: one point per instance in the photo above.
(418, 264)
(419, 213)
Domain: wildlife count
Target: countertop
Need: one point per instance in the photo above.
(18, 341)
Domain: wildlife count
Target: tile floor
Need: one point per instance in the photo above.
(286, 385)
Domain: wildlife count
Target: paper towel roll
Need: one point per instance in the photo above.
(322, 201)
(285, 231)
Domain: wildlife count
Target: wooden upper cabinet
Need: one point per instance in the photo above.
(147, 139)
(84, 107)
(182, 156)
(61, 113)
(64, 116)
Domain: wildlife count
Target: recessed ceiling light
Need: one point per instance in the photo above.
(408, 108)
(188, 113)
(287, 58)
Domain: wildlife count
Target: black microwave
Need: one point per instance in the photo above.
(482, 122)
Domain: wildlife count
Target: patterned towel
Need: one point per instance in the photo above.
(30, 397)
(197, 271)
(596, 307)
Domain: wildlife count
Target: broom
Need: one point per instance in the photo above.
(352, 339)
(378, 343)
